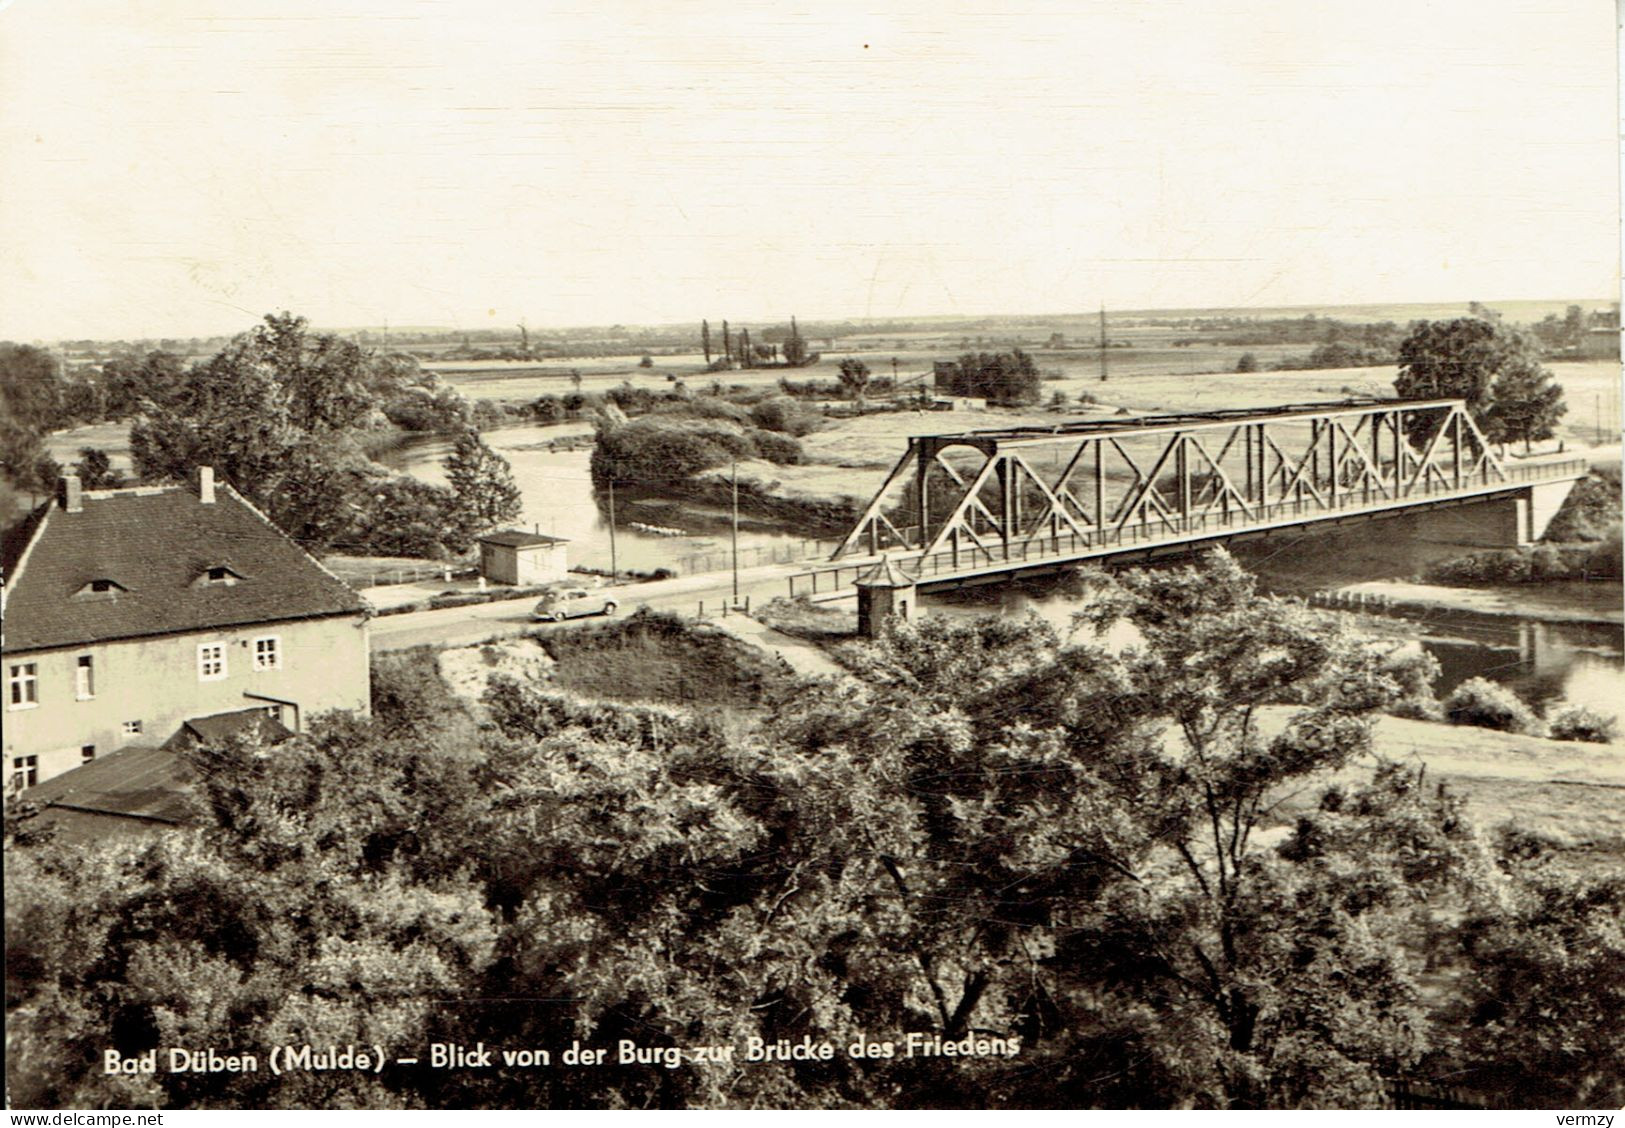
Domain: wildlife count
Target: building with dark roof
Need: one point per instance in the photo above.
(129, 613)
(514, 556)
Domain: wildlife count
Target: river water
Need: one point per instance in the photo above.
(1545, 662)
(559, 500)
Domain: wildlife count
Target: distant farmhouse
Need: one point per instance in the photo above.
(161, 616)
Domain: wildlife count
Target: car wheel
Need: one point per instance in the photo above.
(558, 616)
(609, 608)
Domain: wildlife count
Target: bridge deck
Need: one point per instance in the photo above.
(1043, 553)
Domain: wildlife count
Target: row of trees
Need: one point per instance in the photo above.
(987, 833)
(786, 350)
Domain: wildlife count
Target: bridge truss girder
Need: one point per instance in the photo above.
(991, 490)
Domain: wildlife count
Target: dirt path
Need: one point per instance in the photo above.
(801, 656)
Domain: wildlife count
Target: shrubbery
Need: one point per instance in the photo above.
(1541, 563)
(1590, 512)
(776, 448)
(1484, 704)
(1576, 722)
(784, 414)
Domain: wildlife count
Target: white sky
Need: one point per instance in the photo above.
(180, 167)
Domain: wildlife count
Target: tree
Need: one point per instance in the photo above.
(1247, 363)
(795, 347)
(1008, 378)
(96, 471)
(1475, 360)
(1525, 405)
(854, 377)
(30, 398)
(482, 483)
(705, 340)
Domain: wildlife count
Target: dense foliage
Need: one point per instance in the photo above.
(1007, 378)
(680, 440)
(1491, 366)
(1485, 704)
(990, 833)
(287, 417)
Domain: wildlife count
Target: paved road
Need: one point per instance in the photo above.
(466, 626)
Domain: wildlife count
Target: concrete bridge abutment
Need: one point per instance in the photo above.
(1504, 521)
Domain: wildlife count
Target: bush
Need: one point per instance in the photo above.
(1541, 563)
(708, 407)
(1576, 722)
(777, 448)
(1417, 709)
(1484, 704)
(1590, 512)
(658, 448)
(785, 415)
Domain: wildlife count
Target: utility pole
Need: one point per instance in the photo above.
(614, 568)
(1102, 342)
(735, 529)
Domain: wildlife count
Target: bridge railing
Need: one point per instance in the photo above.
(1040, 549)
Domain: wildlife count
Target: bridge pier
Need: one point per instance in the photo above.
(1507, 521)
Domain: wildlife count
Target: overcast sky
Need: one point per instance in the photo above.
(180, 167)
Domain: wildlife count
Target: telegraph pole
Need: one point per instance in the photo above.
(614, 569)
(735, 529)
(1102, 342)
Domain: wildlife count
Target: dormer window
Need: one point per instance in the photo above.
(217, 575)
(100, 589)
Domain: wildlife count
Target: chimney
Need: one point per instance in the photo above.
(73, 494)
(205, 484)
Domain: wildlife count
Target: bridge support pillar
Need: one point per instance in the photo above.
(1545, 499)
(1509, 521)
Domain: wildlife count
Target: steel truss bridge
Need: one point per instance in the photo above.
(986, 505)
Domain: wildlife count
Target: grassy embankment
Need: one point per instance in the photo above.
(651, 657)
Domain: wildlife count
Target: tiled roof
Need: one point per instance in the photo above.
(218, 729)
(155, 544)
(516, 538)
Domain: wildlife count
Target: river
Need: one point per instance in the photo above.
(1543, 661)
(558, 498)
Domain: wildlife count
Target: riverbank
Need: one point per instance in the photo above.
(1566, 602)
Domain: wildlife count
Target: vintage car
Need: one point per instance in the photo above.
(571, 603)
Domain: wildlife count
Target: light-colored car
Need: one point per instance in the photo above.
(572, 603)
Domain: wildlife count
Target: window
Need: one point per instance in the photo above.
(24, 771)
(22, 685)
(268, 653)
(218, 575)
(84, 678)
(99, 589)
(211, 661)
(87, 753)
(132, 728)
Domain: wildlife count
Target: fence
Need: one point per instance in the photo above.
(754, 556)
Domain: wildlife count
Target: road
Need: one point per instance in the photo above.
(467, 626)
